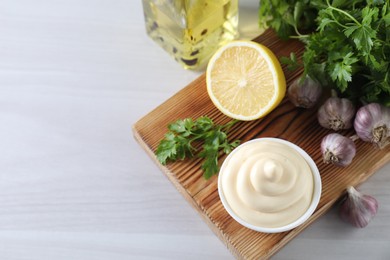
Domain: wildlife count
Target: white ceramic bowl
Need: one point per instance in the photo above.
(315, 198)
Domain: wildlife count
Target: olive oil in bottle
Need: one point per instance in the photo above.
(191, 30)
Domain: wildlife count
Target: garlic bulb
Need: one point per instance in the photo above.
(372, 124)
(357, 208)
(336, 113)
(338, 149)
(304, 93)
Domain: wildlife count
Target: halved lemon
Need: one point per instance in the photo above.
(245, 80)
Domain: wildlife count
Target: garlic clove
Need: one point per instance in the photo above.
(372, 124)
(358, 209)
(338, 149)
(336, 113)
(304, 92)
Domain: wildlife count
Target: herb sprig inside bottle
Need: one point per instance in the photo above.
(183, 135)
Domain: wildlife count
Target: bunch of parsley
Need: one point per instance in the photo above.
(203, 138)
(347, 43)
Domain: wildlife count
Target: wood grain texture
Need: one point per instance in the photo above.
(287, 122)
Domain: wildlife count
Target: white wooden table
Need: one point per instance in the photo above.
(75, 75)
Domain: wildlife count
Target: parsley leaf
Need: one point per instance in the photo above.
(347, 46)
(185, 136)
(291, 62)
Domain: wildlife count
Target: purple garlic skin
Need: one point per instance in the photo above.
(336, 113)
(338, 149)
(304, 93)
(358, 209)
(372, 124)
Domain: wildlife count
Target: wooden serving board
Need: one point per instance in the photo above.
(299, 126)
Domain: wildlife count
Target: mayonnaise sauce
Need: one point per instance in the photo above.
(267, 183)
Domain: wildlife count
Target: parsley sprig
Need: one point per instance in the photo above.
(347, 43)
(203, 138)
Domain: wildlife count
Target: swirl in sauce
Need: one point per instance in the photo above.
(267, 183)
